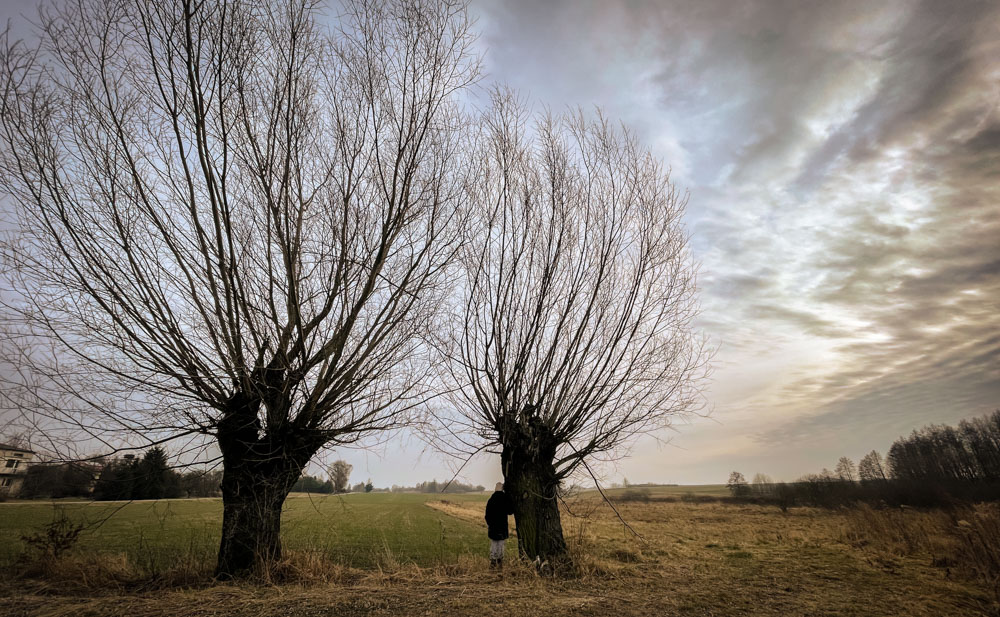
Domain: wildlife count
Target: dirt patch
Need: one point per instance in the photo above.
(469, 512)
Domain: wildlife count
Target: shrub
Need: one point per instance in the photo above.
(56, 537)
(634, 494)
(690, 497)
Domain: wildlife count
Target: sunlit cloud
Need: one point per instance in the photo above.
(843, 162)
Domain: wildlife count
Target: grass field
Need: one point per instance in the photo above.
(358, 530)
(409, 554)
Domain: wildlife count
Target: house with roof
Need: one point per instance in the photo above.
(14, 462)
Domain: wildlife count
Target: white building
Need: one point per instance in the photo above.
(14, 463)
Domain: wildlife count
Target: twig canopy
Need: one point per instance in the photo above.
(222, 200)
(572, 329)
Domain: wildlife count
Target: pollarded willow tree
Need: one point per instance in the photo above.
(232, 221)
(573, 324)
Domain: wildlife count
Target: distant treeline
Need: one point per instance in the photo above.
(125, 478)
(969, 453)
(59, 480)
(151, 477)
(439, 487)
(937, 465)
(310, 484)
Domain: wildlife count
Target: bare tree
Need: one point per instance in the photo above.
(762, 485)
(340, 475)
(572, 328)
(737, 484)
(845, 469)
(871, 467)
(231, 223)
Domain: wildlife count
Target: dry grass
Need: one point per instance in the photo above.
(693, 559)
(963, 542)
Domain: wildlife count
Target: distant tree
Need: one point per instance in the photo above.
(311, 484)
(981, 437)
(738, 484)
(369, 486)
(149, 477)
(762, 485)
(845, 469)
(58, 480)
(340, 475)
(201, 483)
(153, 478)
(116, 480)
(871, 468)
(41, 480)
(358, 488)
(945, 454)
(785, 495)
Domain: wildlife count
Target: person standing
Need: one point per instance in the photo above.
(498, 508)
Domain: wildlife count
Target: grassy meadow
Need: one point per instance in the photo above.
(414, 554)
(357, 530)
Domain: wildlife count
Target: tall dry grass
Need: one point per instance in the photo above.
(965, 540)
(82, 572)
(979, 536)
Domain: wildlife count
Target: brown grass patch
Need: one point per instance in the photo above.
(470, 512)
(964, 541)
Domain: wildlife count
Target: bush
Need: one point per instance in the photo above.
(634, 494)
(690, 497)
(56, 537)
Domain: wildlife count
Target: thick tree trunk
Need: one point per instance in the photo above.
(531, 482)
(258, 473)
(252, 498)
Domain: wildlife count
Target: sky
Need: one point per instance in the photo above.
(843, 166)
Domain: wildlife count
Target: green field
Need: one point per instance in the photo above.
(359, 530)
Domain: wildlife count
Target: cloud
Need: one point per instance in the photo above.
(843, 161)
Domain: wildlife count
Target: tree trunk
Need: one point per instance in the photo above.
(258, 473)
(531, 485)
(252, 498)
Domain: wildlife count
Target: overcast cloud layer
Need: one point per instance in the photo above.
(843, 161)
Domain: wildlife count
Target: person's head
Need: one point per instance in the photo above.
(499, 487)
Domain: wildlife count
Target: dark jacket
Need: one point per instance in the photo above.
(497, 509)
